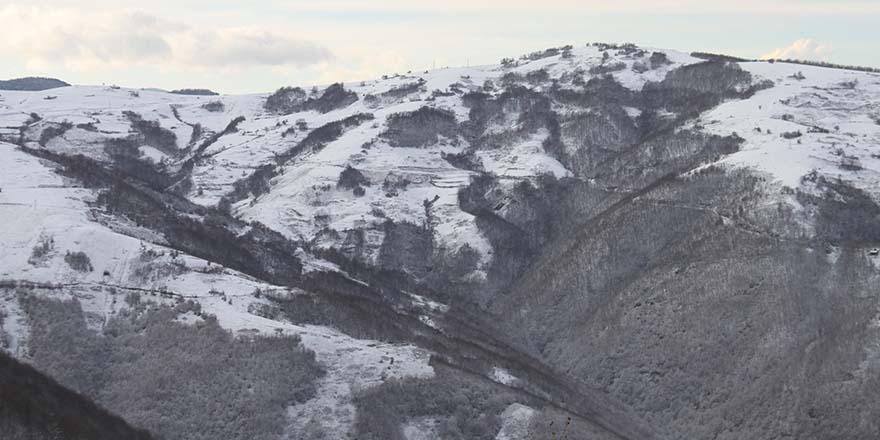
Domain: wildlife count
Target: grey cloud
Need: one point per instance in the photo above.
(91, 41)
(242, 47)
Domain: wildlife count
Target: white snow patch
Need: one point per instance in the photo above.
(421, 428)
(152, 154)
(523, 159)
(421, 301)
(515, 422)
(503, 376)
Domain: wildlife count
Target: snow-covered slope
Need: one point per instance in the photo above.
(415, 172)
(832, 118)
(40, 208)
(836, 111)
(304, 202)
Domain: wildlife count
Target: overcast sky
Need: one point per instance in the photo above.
(257, 46)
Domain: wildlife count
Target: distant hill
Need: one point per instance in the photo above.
(32, 84)
(35, 406)
(197, 92)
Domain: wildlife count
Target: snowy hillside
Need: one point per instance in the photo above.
(377, 220)
(813, 119)
(835, 111)
(39, 209)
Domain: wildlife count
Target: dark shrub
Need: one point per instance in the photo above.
(718, 57)
(404, 90)
(420, 128)
(351, 178)
(54, 131)
(607, 68)
(41, 250)
(334, 97)
(285, 100)
(659, 59)
(153, 134)
(214, 106)
(78, 261)
(195, 92)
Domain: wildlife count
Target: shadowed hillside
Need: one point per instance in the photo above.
(33, 406)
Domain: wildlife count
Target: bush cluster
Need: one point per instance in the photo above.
(78, 261)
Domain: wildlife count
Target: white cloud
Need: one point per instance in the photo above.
(122, 38)
(366, 68)
(764, 7)
(246, 46)
(804, 49)
(273, 42)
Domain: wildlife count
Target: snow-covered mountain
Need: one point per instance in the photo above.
(496, 229)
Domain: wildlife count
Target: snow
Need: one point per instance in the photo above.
(420, 301)
(421, 428)
(152, 154)
(819, 100)
(515, 422)
(523, 159)
(352, 364)
(503, 376)
(304, 202)
(305, 199)
(586, 57)
(101, 106)
(37, 205)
